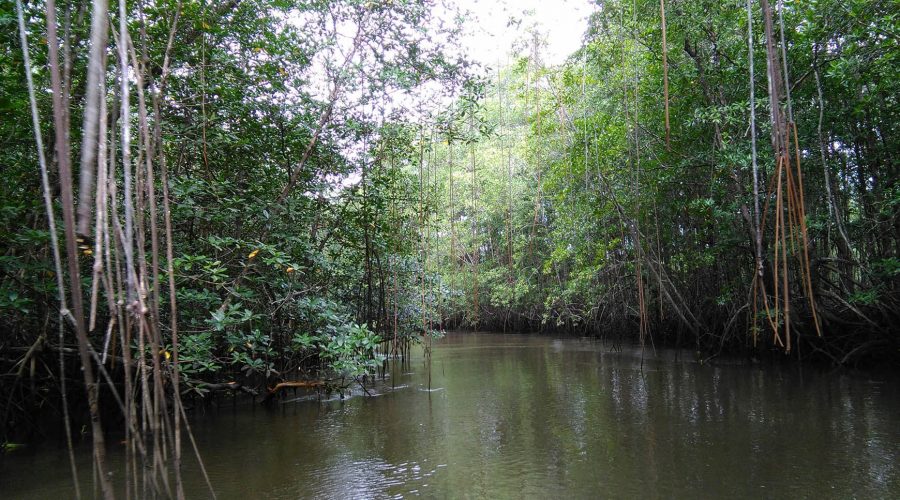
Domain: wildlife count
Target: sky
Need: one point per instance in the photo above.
(489, 38)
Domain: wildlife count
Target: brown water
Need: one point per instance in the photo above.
(527, 416)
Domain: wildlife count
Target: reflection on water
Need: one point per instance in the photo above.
(530, 416)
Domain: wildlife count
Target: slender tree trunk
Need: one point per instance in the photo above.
(68, 209)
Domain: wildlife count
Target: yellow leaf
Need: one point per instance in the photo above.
(253, 254)
(88, 251)
(167, 354)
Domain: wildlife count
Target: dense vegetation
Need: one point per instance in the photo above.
(299, 189)
(615, 194)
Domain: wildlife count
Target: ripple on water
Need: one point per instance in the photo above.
(347, 477)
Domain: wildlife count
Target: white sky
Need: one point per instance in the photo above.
(489, 39)
(489, 36)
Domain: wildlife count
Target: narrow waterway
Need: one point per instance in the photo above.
(529, 416)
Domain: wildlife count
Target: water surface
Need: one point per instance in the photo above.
(535, 417)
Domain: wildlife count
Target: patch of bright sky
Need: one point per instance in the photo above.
(490, 37)
(494, 28)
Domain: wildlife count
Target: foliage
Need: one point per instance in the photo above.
(328, 208)
(577, 201)
(276, 122)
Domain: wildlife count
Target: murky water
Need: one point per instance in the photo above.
(535, 417)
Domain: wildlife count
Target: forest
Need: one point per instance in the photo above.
(206, 198)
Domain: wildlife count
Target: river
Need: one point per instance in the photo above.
(527, 416)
